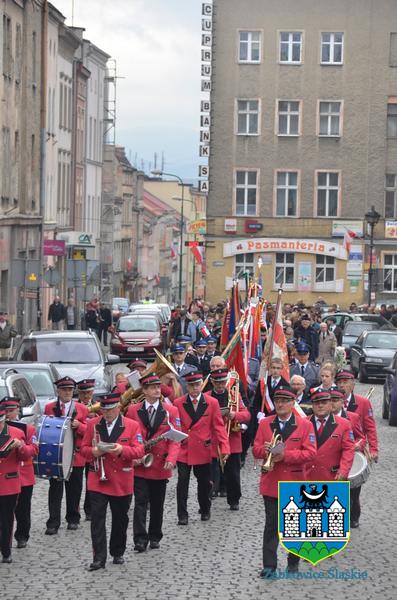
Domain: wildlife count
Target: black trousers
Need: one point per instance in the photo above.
(87, 500)
(7, 509)
(270, 536)
(355, 507)
(229, 480)
(119, 507)
(103, 334)
(204, 486)
(148, 492)
(22, 513)
(73, 489)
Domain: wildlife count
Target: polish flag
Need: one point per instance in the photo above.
(280, 344)
(197, 252)
(129, 265)
(347, 240)
(173, 251)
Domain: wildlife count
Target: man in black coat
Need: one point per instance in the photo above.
(336, 330)
(105, 321)
(305, 332)
(57, 313)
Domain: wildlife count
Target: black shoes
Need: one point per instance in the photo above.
(118, 560)
(267, 573)
(96, 565)
(154, 545)
(7, 560)
(72, 526)
(222, 494)
(51, 531)
(22, 543)
(234, 506)
(205, 517)
(88, 517)
(293, 568)
(140, 547)
(183, 521)
(354, 524)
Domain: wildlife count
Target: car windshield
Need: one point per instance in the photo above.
(381, 341)
(119, 302)
(135, 324)
(356, 329)
(40, 381)
(62, 351)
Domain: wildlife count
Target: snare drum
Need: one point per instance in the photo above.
(359, 471)
(55, 439)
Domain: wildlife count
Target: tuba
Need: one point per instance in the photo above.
(161, 366)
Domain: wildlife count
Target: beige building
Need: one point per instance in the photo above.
(303, 143)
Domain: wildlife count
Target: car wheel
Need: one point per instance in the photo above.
(385, 409)
(361, 374)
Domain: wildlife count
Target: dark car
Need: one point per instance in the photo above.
(41, 377)
(137, 335)
(373, 353)
(77, 354)
(389, 407)
(353, 330)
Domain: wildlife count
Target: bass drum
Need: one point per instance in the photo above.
(359, 471)
(55, 439)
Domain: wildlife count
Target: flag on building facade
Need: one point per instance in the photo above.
(348, 238)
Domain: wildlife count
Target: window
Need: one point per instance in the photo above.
(390, 197)
(286, 193)
(18, 53)
(244, 263)
(330, 119)
(332, 48)
(288, 117)
(390, 272)
(327, 194)
(249, 46)
(7, 46)
(285, 269)
(325, 268)
(60, 105)
(393, 50)
(34, 57)
(246, 191)
(247, 117)
(291, 47)
(392, 119)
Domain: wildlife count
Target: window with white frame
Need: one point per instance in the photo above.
(330, 119)
(286, 193)
(390, 272)
(325, 268)
(247, 117)
(291, 47)
(288, 113)
(332, 48)
(246, 193)
(328, 189)
(390, 197)
(392, 119)
(249, 46)
(285, 269)
(244, 263)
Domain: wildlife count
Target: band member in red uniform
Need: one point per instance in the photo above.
(337, 399)
(13, 450)
(154, 418)
(335, 442)
(23, 508)
(296, 448)
(64, 406)
(224, 391)
(111, 477)
(85, 389)
(363, 407)
(201, 419)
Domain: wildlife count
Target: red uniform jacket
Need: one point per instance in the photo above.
(119, 470)
(356, 426)
(10, 479)
(335, 450)
(26, 470)
(164, 451)
(300, 448)
(363, 407)
(202, 426)
(52, 408)
(242, 416)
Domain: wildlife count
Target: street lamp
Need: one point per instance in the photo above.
(160, 173)
(372, 217)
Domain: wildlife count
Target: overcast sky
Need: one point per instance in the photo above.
(157, 47)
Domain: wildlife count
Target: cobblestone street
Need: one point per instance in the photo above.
(217, 559)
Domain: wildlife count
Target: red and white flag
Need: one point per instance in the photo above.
(173, 251)
(197, 252)
(348, 239)
(279, 349)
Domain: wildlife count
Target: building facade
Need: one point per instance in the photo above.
(303, 141)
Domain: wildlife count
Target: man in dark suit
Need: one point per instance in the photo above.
(181, 367)
(305, 332)
(201, 360)
(302, 366)
(266, 389)
(336, 330)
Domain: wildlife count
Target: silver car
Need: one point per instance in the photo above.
(17, 386)
(41, 376)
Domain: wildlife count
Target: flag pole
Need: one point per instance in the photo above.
(270, 354)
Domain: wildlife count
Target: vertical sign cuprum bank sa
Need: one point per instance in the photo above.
(205, 103)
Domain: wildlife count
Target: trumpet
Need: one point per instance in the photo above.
(233, 398)
(94, 408)
(268, 464)
(99, 461)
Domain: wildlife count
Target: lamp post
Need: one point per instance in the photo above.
(160, 173)
(194, 239)
(372, 218)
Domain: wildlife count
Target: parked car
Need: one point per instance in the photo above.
(373, 353)
(150, 309)
(77, 354)
(16, 385)
(389, 406)
(136, 336)
(353, 330)
(382, 322)
(119, 308)
(341, 318)
(41, 376)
